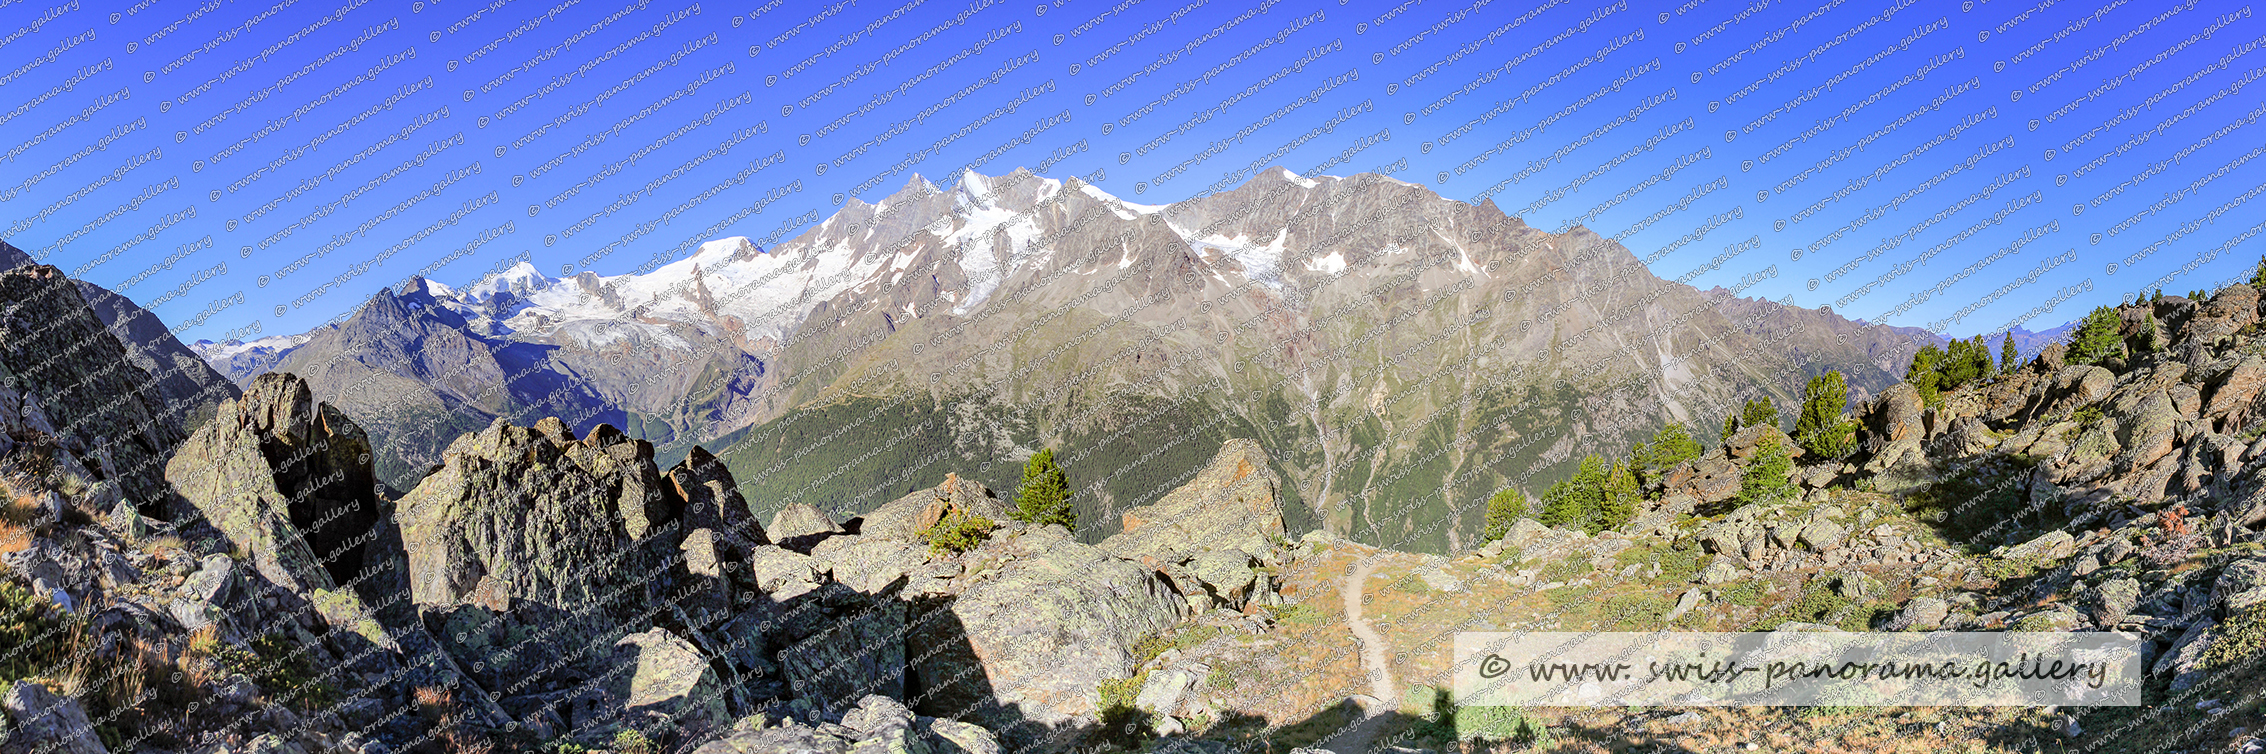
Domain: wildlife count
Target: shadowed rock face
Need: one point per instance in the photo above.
(1031, 642)
(64, 376)
(522, 513)
(188, 386)
(287, 478)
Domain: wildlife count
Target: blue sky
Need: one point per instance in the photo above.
(1937, 164)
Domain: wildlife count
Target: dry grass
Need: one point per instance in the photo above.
(434, 703)
(16, 514)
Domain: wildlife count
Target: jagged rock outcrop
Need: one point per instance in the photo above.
(71, 390)
(536, 514)
(1230, 504)
(1033, 639)
(289, 480)
(906, 516)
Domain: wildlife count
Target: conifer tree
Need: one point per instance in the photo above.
(1672, 444)
(1503, 509)
(1043, 497)
(1576, 502)
(1765, 479)
(1820, 428)
(2096, 338)
(2009, 357)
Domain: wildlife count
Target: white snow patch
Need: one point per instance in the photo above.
(1329, 265)
(1293, 178)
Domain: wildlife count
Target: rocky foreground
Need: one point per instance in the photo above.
(242, 583)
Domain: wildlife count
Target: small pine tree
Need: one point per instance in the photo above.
(1043, 497)
(2009, 357)
(2147, 340)
(1765, 479)
(1671, 444)
(959, 531)
(1576, 502)
(1730, 426)
(1617, 502)
(1758, 412)
(1924, 375)
(1820, 428)
(2258, 276)
(2096, 338)
(1503, 510)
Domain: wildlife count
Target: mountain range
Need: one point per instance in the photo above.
(1388, 343)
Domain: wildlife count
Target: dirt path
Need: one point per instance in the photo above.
(1357, 740)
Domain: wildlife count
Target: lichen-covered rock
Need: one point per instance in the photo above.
(906, 516)
(791, 738)
(784, 574)
(1230, 504)
(1893, 418)
(1227, 573)
(802, 524)
(853, 648)
(288, 480)
(2241, 585)
(543, 517)
(2184, 660)
(870, 564)
(40, 722)
(1033, 640)
(1921, 614)
(672, 683)
(955, 737)
(2077, 385)
(2113, 600)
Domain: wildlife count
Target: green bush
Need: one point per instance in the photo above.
(1498, 724)
(2010, 357)
(1121, 722)
(1296, 614)
(959, 531)
(1597, 498)
(1757, 412)
(2240, 638)
(1566, 570)
(1818, 604)
(1936, 369)
(630, 741)
(282, 667)
(33, 634)
(1677, 564)
(1672, 444)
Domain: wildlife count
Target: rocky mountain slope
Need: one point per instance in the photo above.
(250, 586)
(1378, 338)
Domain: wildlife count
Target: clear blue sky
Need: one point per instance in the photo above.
(1875, 147)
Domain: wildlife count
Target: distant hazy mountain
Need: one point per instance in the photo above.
(1405, 354)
